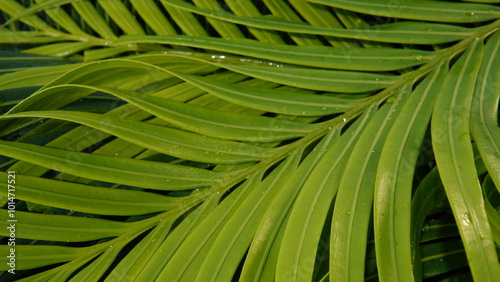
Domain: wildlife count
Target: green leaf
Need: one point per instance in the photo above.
(451, 143)
(484, 111)
(89, 14)
(427, 196)
(240, 227)
(311, 207)
(319, 15)
(265, 245)
(26, 37)
(312, 56)
(33, 77)
(152, 15)
(226, 30)
(139, 257)
(33, 256)
(162, 139)
(493, 214)
(16, 11)
(353, 203)
(405, 32)
(95, 74)
(322, 164)
(12, 61)
(424, 10)
(59, 15)
(122, 17)
(81, 137)
(249, 9)
(317, 79)
(283, 10)
(437, 258)
(154, 175)
(87, 198)
(209, 122)
(277, 101)
(62, 228)
(170, 245)
(186, 261)
(60, 49)
(94, 270)
(395, 179)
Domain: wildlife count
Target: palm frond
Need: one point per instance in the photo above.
(250, 140)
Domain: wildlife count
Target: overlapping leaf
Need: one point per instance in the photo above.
(250, 140)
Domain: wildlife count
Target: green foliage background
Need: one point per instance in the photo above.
(287, 140)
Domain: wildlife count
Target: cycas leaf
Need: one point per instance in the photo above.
(282, 102)
(493, 215)
(91, 17)
(394, 179)
(94, 270)
(64, 228)
(139, 257)
(121, 16)
(94, 74)
(152, 175)
(318, 79)
(169, 246)
(13, 8)
(152, 15)
(312, 205)
(405, 32)
(240, 228)
(162, 139)
(37, 256)
(33, 77)
(218, 124)
(427, 196)
(249, 140)
(261, 256)
(87, 198)
(191, 254)
(311, 56)
(451, 142)
(32, 37)
(64, 20)
(353, 203)
(484, 111)
(249, 9)
(12, 61)
(438, 11)
(61, 49)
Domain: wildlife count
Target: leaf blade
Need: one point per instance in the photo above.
(420, 10)
(484, 112)
(87, 198)
(116, 170)
(162, 139)
(455, 162)
(311, 56)
(406, 32)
